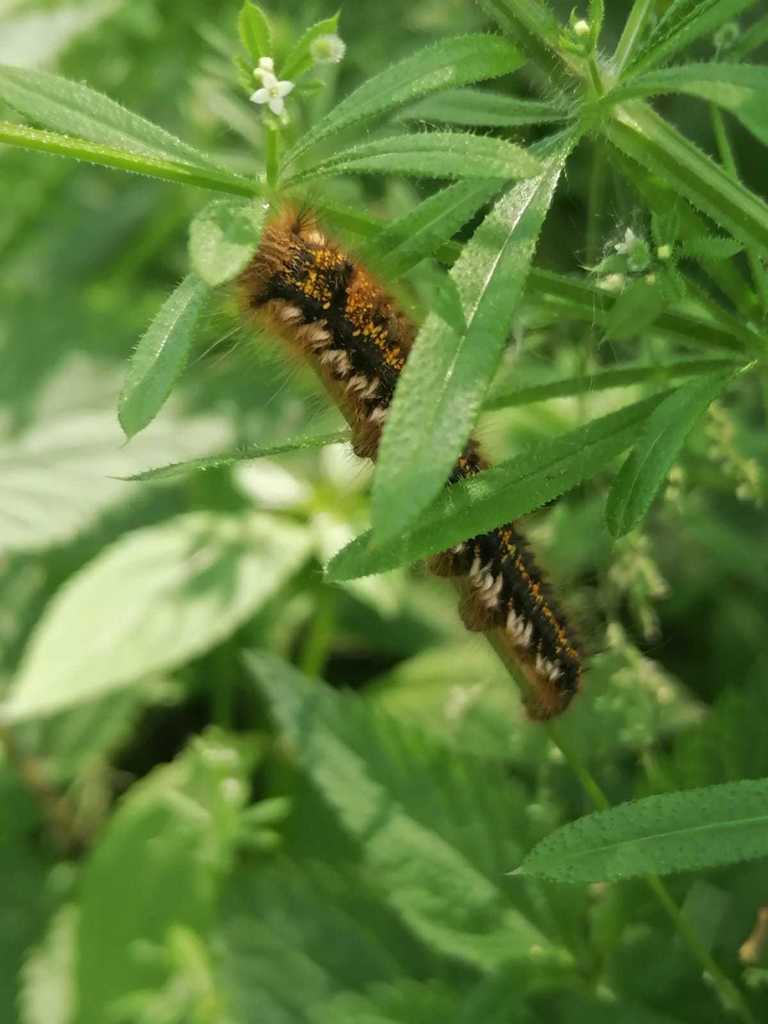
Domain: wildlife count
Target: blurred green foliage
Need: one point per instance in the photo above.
(199, 832)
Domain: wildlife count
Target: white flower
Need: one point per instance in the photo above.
(625, 247)
(265, 64)
(329, 49)
(272, 92)
(612, 283)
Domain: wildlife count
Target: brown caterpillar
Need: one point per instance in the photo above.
(331, 310)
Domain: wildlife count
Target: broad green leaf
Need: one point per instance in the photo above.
(161, 355)
(170, 843)
(684, 22)
(447, 64)
(480, 108)
(647, 465)
(150, 602)
(499, 495)
(412, 846)
(405, 242)
(647, 138)
(337, 936)
(74, 109)
(70, 463)
(223, 238)
(196, 176)
(738, 88)
(622, 377)
(47, 991)
(252, 451)
(685, 831)
(300, 58)
(254, 30)
(447, 375)
(429, 155)
(33, 36)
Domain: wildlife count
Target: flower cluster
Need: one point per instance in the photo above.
(272, 92)
(325, 49)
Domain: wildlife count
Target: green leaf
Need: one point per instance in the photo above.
(250, 451)
(499, 495)
(299, 58)
(47, 994)
(686, 831)
(447, 374)
(429, 155)
(710, 248)
(447, 64)
(648, 139)
(170, 843)
(738, 88)
(150, 602)
(122, 159)
(596, 17)
(635, 309)
(338, 936)
(74, 109)
(70, 462)
(685, 22)
(223, 238)
(480, 108)
(412, 846)
(646, 468)
(405, 242)
(255, 33)
(622, 377)
(161, 355)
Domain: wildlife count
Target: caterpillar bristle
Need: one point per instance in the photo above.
(333, 313)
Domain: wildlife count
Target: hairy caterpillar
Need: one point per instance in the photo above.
(312, 293)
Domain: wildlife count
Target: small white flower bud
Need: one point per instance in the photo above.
(328, 49)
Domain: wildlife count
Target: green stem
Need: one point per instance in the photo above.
(594, 76)
(123, 160)
(272, 145)
(632, 31)
(729, 994)
(318, 643)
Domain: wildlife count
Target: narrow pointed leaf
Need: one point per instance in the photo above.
(499, 495)
(447, 375)
(640, 133)
(684, 22)
(21, 135)
(646, 468)
(480, 108)
(447, 64)
(738, 88)
(244, 454)
(429, 155)
(255, 33)
(405, 242)
(161, 355)
(74, 109)
(660, 835)
(621, 377)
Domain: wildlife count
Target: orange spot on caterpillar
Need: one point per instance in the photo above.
(336, 315)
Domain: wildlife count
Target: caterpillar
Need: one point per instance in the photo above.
(308, 290)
